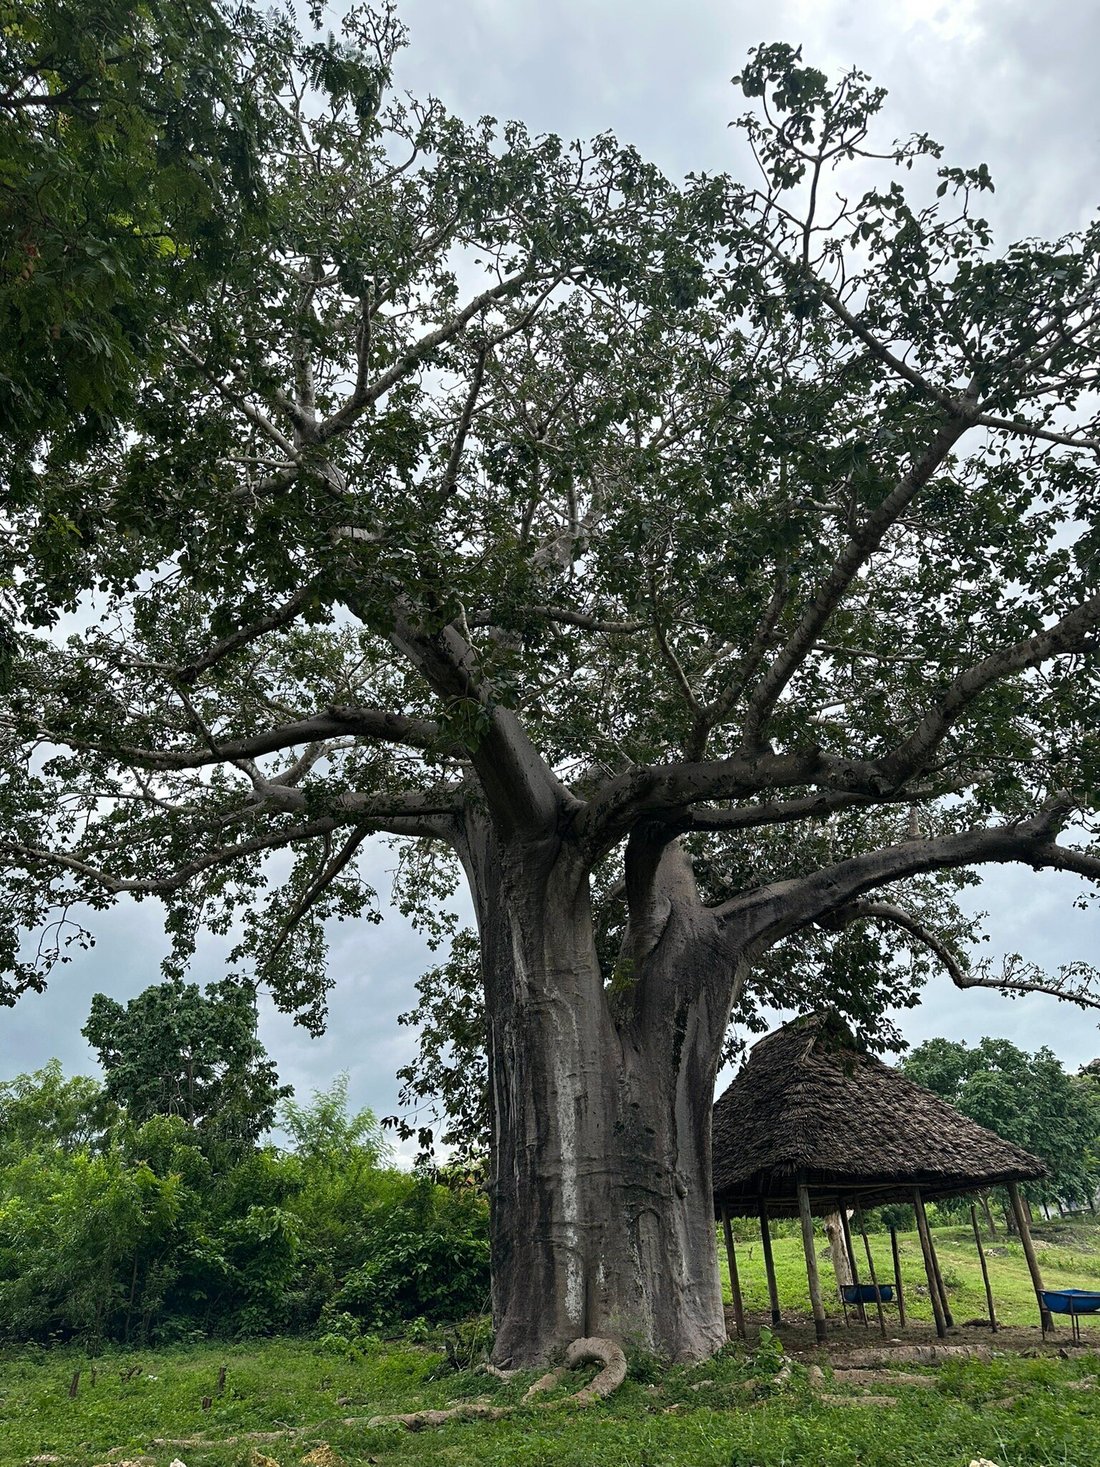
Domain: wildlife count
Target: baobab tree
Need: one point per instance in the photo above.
(712, 565)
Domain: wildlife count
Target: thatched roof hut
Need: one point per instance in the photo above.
(812, 1107)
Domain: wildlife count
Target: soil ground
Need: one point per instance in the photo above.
(796, 1334)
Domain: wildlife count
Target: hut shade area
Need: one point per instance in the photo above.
(812, 1108)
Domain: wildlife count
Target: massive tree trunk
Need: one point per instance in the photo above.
(601, 1092)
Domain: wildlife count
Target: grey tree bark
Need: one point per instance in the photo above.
(834, 1231)
(601, 1201)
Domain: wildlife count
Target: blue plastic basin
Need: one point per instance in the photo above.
(1072, 1301)
(867, 1293)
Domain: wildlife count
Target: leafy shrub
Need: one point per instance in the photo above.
(138, 1234)
(428, 1257)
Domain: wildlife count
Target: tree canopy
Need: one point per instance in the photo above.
(1026, 1098)
(709, 570)
(127, 144)
(176, 1051)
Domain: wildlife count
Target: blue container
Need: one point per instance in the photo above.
(867, 1293)
(1072, 1301)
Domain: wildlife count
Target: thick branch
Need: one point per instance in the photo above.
(1038, 982)
(669, 792)
(784, 812)
(371, 723)
(1068, 635)
(524, 795)
(399, 817)
(774, 911)
(659, 882)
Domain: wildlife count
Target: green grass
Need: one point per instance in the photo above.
(1017, 1412)
(728, 1412)
(1069, 1256)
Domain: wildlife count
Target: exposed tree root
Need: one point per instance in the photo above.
(910, 1355)
(418, 1420)
(495, 1371)
(605, 1352)
(610, 1378)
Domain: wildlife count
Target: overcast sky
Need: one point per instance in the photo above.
(1011, 84)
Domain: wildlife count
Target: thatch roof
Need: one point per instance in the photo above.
(812, 1105)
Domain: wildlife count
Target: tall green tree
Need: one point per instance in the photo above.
(1028, 1099)
(177, 1051)
(709, 577)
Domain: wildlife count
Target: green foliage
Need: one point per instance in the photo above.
(45, 1111)
(126, 141)
(1026, 1098)
(428, 1257)
(143, 1233)
(324, 1135)
(450, 1071)
(298, 453)
(176, 1051)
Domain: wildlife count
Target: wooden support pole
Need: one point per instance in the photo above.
(853, 1265)
(769, 1262)
(945, 1303)
(735, 1282)
(948, 1317)
(1029, 1253)
(897, 1275)
(992, 1226)
(871, 1269)
(811, 1262)
(985, 1270)
(929, 1266)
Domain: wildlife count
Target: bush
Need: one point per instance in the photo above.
(428, 1257)
(137, 1236)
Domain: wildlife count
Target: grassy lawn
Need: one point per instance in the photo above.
(283, 1398)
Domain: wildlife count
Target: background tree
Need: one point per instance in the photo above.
(1026, 1098)
(176, 1051)
(700, 569)
(46, 1110)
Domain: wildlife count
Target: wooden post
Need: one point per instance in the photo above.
(985, 1270)
(1029, 1253)
(948, 1317)
(897, 1275)
(871, 1269)
(984, 1196)
(769, 1262)
(929, 1266)
(735, 1282)
(811, 1262)
(945, 1305)
(852, 1261)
